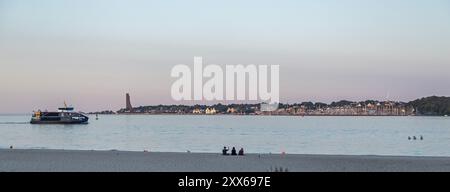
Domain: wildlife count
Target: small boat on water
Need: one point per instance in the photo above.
(64, 115)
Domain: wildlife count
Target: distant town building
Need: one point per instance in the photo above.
(210, 111)
(231, 110)
(196, 111)
(266, 107)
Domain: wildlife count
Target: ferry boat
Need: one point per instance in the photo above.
(64, 115)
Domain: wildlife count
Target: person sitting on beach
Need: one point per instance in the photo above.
(414, 138)
(224, 151)
(241, 151)
(233, 151)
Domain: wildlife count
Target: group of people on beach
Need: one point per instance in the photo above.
(233, 151)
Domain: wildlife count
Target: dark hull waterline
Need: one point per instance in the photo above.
(58, 122)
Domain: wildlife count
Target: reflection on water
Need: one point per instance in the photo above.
(257, 134)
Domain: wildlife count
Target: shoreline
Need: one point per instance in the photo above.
(58, 160)
(262, 115)
(265, 115)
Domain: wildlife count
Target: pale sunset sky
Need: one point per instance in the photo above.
(91, 52)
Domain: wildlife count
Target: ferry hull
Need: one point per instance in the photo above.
(59, 118)
(58, 122)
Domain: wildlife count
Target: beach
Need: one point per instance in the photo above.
(50, 160)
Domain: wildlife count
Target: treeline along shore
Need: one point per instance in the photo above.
(432, 106)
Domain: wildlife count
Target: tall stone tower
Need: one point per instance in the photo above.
(128, 102)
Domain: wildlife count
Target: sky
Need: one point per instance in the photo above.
(89, 53)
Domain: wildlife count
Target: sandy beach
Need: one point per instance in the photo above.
(24, 160)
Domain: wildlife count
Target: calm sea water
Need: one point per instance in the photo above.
(257, 134)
